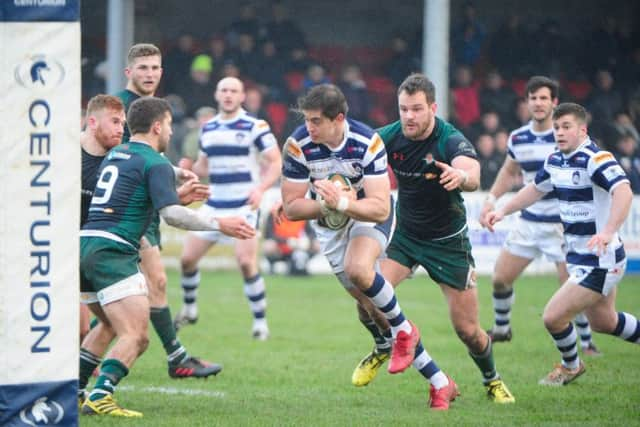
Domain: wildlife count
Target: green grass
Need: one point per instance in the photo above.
(301, 376)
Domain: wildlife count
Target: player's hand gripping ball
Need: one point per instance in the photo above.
(333, 219)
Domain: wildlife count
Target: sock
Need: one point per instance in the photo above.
(383, 296)
(628, 328)
(382, 339)
(502, 303)
(110, 375)
(428, 368)
(94, 322)
(484, 361)
(190, 282)
(163, 325)
(584, 330)
(566, 342)
(88, 363)
(254, 290)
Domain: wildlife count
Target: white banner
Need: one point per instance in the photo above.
(39, 216)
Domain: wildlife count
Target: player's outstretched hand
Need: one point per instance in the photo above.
(599, 242)
(237, 227)
(493, 218)
(487, 207)
(450, 177)
(192, 191)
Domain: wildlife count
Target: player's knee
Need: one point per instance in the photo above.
(470, 335)
(552, 322)
(359, 274)
(188, 264)
(500, 285)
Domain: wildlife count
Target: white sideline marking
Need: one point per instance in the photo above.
(173, 390)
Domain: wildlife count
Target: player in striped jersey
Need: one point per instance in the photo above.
(330, 143)
(538, 230)
(229, 147)
(594, 197)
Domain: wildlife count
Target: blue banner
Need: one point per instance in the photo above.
(39, 10)
(39, 404)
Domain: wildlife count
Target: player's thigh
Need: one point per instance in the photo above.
(463, 306)
(508, 267)
(393, 271)
(129, 315)
(195, 247)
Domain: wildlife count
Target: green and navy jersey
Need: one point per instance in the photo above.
(90, 167)
(127, 97)
(425, 209)
(134, 182)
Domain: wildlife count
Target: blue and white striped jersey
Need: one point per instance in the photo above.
(530, 149)
(360, 154)
(583, 181)
(232, 148)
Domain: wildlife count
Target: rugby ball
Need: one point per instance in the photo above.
(334, 219)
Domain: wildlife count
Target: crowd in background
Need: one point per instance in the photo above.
(597, 67)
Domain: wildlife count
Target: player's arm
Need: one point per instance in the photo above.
(505, 180)
(188, 219)
(295, 203)
(523, 198)
(463, 174)
(374, 207)
(201, 165)
(621, 198)
(271, 159)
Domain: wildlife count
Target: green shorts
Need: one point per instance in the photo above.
(447, 261)
(104, 262)
(152, 234)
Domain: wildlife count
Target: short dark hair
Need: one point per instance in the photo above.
(576, 110)
(103, 102)
(417, 82)
(142, 49)
(327, 98)
(536, 82)
(143, 112)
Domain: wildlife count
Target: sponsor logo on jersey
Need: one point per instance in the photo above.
(575, 178)
(430, 175)
(397, 156)
(602, 157)
(377, 143)
(428, 159)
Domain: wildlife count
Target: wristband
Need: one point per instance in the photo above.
(343, 204)
(491, 199)
(215, 224)
(465, 176)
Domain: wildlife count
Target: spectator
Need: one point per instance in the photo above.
(489, 124)
(179, 127)
(490, 161)
(253, 103)
(247, 23)
(178, 61)
(190, 143)
(219, 54)
(298, 60)
(509, 49)
(468, 37)
(466, 104)
(316, 75)
(495, 96)
(626, 152)
(230, 69)
(401, 63)
(603, 102)
(272, 72)
(197, 91)
(354, 89)
(246, 57)
(521, 115)
(285, 33)
(291, 241)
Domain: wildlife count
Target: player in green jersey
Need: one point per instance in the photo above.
(434, 163)
(134, 182)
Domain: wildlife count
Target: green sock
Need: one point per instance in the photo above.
(163, 324)
(111, 373)
(94, 322)
(485, 362)
(88, 363)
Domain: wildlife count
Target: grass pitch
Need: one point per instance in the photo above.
(302, 375)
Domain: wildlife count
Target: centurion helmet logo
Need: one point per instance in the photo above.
(42, 413)
(39, 72)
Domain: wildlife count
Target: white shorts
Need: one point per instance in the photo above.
(598, 280)
(250, 215)
(131, 286)
(334, 242)
(528, 239)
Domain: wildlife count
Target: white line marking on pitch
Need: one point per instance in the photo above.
(172, 390)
